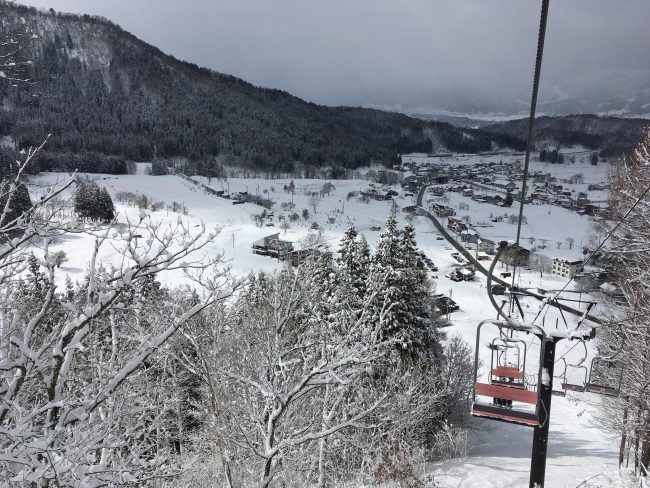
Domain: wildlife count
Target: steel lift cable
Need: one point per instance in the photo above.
(531, 126)
(571, 349)
(609, 234)
(622, 321)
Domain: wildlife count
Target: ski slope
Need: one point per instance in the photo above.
(500, 456)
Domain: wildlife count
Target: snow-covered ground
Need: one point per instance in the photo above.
(500, 456)
(500, 453)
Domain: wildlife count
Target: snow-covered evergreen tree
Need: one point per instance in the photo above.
(384, 281)
(362, 258)
(346, 253)
(16, 200)
(417, 299)
(353, 260)
(409, 255)
(92, 202)
(387, 252)
(403, 307)
(106, 209)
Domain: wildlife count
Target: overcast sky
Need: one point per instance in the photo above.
(385, 52)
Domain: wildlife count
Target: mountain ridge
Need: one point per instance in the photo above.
(611, 136)
(103, 92)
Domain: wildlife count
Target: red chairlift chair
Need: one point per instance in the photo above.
(507, 384)
(504, 372)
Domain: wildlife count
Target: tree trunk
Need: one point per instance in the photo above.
(645, 450)
(266, 480)
(621, 451)
(637, 433)
(321, 463)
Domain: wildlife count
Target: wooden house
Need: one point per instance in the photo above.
(272, 246)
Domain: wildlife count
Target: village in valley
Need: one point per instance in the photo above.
(474, 202)
(462, 207)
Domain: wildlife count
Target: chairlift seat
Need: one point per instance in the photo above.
(502, 414)
(598, 364)
(572, 387)
(506, 382)
(601, 389)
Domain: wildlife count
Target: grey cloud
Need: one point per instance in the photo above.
(411, 53)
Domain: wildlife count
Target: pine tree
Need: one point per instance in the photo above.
(92, 202)
(388, 245)
(319, 280)
(409, 255)
(417, 302)
(402, 307)
(83, 199)
(350, 275)
(346, 252)
(106, 209)
(19, 204)
(362, 258)
(159, 168)
(384, 283)
(350, 284)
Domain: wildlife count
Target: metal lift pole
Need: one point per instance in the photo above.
(540, 435)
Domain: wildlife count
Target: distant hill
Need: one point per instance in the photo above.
(610, 136)
(103, 93)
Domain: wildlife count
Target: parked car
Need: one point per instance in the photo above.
(445, 304)
(498, 290)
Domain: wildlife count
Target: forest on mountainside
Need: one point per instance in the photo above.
(611, 136)
(106, 98)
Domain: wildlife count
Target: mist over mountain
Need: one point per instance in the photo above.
(620, 92)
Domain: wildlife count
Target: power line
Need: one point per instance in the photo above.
(567, 352)
(609, 234)
(610, 324)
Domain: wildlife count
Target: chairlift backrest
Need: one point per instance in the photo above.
(606, 373)
(605, 376)
(508, 363)
(570, 383)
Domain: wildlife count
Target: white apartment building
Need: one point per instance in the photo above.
(565, 268)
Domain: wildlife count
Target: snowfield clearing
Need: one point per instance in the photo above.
(500, 453)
